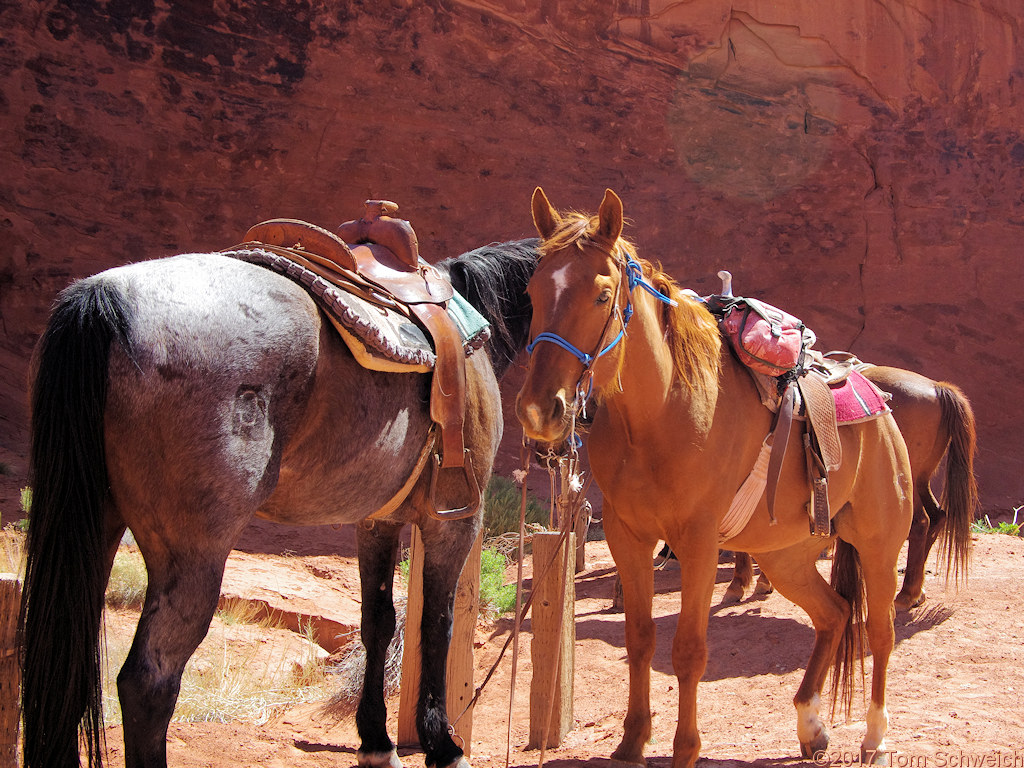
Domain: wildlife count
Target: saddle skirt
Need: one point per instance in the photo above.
(381, 338)
(856, 399)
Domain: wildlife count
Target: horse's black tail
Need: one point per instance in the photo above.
(65, 576)
(960, 490)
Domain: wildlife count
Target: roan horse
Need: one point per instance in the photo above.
(679, 427)
(936, 421)
(180, 397)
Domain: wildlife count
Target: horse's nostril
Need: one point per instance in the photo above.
(558, 409)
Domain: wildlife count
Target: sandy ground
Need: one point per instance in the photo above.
(956, 692)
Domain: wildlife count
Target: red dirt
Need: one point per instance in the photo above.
(956, 690)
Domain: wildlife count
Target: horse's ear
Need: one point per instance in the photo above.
(610, 217)
(545, 218)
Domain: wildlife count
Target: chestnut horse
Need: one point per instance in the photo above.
(936, 421)
(679, 427)
(179, 397)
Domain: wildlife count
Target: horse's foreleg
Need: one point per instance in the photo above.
(378, 553)
(180, 602)
(636, 570)
(794, 573)
(697, 567)
(446, 545)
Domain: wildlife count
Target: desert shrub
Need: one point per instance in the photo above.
(496, 597)
(502, 505)
(128, 579)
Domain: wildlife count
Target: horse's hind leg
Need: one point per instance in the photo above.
(378, 552)
(184, 586)
(925, 527)
(880, 580)
(794, 574)
(446, 546)
(742, 575)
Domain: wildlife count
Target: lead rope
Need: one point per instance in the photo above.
(573, 492)
(570, 502)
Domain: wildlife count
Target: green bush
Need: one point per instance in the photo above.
(496, 597)
(1009, 527)
(502, 504)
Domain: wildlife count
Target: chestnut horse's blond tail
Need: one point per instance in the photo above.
(960, 489)
(848, 581)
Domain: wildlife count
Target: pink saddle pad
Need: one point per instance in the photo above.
(857, 399)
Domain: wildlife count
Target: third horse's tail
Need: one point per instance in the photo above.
(66, 570)
(848, 581)
(960, 490)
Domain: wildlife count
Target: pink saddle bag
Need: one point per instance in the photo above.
(765, 338)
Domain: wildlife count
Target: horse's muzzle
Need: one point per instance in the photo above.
(544, 420)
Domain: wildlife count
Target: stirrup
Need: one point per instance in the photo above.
(457, 513)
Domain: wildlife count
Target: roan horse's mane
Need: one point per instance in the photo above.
(689, 329)
(493, 278)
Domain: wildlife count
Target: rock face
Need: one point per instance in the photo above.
(861, 167)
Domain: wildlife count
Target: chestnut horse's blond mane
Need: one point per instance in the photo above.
(689, 329)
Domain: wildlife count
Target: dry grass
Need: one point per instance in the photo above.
(12, 546)
(347, 673)
(247, 668)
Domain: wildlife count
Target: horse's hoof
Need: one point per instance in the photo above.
(617, 763)
(878, 756)
(813, 749)
(461, 762)
(732, 595)
(905, 602)
(763, 587)
(379, 759)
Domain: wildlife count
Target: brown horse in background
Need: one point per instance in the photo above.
(936, 421)
(679, 427)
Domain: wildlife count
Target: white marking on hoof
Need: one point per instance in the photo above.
(872, 749)
(809, 728)
(379, 759)
(462, 762)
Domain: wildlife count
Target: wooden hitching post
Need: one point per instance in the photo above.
(554, 640)
(10, 681)
(460, 654)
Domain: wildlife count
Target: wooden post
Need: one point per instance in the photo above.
(554, 640)
(460, 654)
(581, 528)
(10, 681)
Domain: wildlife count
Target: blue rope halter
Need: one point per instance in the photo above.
(635, 278)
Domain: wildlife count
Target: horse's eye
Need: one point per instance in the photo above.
(605, 297)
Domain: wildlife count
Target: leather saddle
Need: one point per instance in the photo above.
(377, 258)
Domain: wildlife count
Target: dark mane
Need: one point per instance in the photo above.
(493, 279)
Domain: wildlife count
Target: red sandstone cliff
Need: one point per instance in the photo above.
(861, 167)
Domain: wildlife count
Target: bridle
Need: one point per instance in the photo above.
(634, 275)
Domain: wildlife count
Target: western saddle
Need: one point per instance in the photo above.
(377, 258)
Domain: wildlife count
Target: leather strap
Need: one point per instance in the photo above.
(780, 440)
(448, 387)
(821, 517)
(821, 419)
